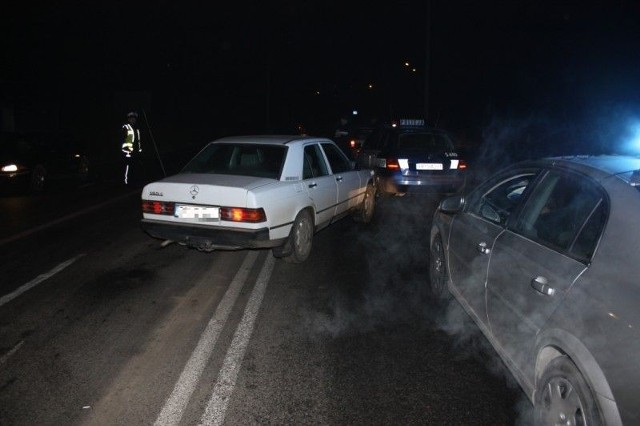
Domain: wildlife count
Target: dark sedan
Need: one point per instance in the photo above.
(544, 257)
(409, 156)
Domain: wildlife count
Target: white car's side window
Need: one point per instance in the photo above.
(313, 165)
(337, 159)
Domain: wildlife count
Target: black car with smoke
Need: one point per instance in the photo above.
(544, 257)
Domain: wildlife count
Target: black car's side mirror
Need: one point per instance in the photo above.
(490, 213)
(452, 204)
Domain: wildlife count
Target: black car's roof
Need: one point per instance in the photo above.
(422, 128)
(596, 166)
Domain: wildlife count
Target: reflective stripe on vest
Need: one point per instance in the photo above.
(133, 135)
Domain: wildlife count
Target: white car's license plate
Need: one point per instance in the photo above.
(201, 213)
(428, 166)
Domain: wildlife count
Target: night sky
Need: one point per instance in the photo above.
(547, 70)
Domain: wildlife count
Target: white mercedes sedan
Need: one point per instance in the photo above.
(258, 192)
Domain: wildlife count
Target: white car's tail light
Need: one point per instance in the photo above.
(238, 214)
(158, 207)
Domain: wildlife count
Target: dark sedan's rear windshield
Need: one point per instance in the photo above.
(420, 142)
(239, 159)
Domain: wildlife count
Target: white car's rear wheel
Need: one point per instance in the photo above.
(300, 238)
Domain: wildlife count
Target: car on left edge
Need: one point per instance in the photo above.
(31, 161)
(261, 191)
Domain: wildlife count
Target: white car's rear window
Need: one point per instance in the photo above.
(239, 159)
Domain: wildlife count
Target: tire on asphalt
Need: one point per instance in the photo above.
(564, 397)
(364, 213)
(38, 179)
(437, 269)
(300, 238)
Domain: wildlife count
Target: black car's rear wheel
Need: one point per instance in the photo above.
(38, 178)
(437, 268)
(83, 169)
(563, 397)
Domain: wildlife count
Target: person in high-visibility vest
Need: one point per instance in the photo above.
(131, 145)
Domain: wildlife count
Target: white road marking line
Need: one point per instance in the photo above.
(28, 286)
(13, 350)
(173, 409)
(217, 406)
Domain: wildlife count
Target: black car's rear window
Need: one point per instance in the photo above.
(239, 159)
(421, 142)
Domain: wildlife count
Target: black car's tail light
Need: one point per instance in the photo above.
(462, 165)
(238, 214)
(158, 207)
(392, 164)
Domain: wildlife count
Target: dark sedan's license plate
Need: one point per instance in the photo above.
(429, 166)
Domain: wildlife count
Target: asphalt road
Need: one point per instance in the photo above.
(99, 324)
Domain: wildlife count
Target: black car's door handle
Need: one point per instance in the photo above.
(313, 185)
(541, 285)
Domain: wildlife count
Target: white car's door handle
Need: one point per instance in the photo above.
(541, 285)
(313, 185)
(482, 248)
(339, 179)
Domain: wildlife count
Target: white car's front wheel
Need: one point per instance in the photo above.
(300, 238)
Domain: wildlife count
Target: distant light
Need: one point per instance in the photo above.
(635, 137)
(631, 141)
(370, 86)
(406, 64)
(414, 70)
(317, 92)
(10, 168)
(354, 112)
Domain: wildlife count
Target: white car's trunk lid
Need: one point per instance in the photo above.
(209, 189)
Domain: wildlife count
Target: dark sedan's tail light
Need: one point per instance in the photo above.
(392, 164)
(462, 165)
(158, 207)
(238, 214)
